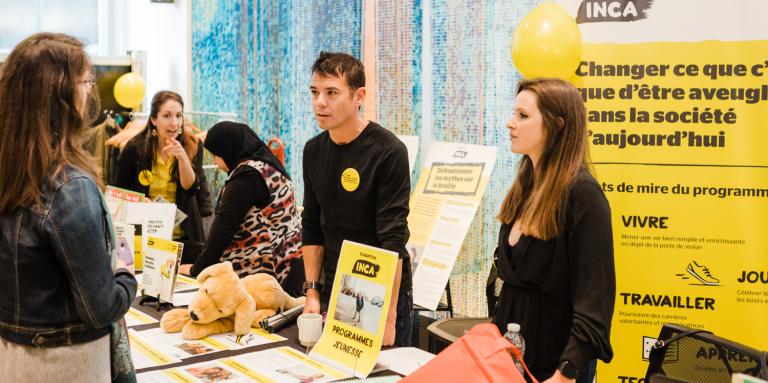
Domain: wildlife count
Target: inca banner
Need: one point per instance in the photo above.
(677, 99)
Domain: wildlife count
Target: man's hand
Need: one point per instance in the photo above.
(312, 306)
(389, 331)
(185, 269)
(559, 378)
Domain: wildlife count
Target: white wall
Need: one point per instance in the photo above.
(163, 32)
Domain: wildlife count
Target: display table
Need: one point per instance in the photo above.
(289, 332)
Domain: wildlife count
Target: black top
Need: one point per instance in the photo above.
(128, 170)
(562, 291)
(375, 213)
(244, 188)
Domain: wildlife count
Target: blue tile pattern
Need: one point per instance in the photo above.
(398, 65)
(254, 57)
(474, 83)
(222, 57)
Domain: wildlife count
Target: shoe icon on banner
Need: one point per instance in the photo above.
(702, 273)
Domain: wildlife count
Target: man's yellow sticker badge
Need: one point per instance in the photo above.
(350, 179)
(145, 177)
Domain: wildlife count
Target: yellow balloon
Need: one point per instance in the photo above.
(547, 43)
(129, 90)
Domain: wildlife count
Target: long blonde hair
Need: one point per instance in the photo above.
(41, 124)
(537, 194)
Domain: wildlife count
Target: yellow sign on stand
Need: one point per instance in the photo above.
(357, 314)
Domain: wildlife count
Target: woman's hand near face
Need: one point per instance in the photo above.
(174, 148)
(186, 174)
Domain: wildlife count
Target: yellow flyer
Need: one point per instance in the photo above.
(161, 263)
(135, 317)
(357, 314)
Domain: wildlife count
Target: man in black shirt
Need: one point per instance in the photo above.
(356, 187)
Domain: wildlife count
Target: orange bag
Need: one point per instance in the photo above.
(278, 149)
(481, 355)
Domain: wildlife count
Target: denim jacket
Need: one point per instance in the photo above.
(57, 287)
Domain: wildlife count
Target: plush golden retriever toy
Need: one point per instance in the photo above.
(226, 302)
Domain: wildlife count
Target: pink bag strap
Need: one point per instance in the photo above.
(519, 356)
(497, 345)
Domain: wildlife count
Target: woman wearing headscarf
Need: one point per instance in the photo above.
(257, 226)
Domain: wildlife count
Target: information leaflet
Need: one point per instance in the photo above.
(450, 189)
(359, 305)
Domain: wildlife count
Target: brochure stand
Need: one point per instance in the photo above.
(161, 265)
(155, 301)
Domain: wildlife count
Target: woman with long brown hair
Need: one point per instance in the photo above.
(166, 160)
(59, 295)
(555, 250)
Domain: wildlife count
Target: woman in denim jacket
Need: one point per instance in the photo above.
(59, 293)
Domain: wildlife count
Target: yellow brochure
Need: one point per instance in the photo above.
(161, 264)
(357, 315)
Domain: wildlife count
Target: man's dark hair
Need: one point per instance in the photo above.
(336, 64)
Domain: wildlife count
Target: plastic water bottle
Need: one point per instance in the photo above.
(513, 335)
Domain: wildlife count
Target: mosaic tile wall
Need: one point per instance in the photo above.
(398, 65)
(474, 83)
(253, 57)
(266, 62)
(223, 74)
(289, 37)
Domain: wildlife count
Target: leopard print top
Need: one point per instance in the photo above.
(268, 237)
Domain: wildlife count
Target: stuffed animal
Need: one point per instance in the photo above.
(225, 302)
